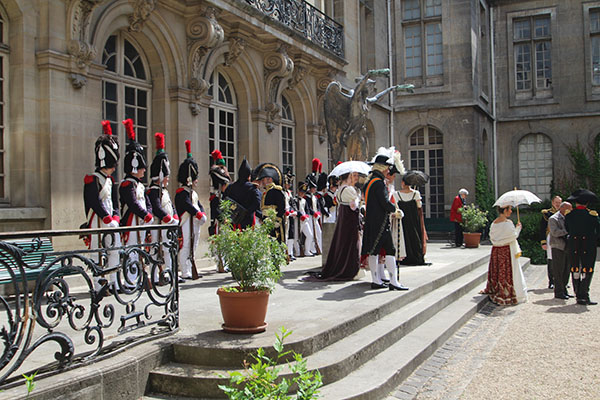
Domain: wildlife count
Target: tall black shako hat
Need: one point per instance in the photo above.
(106, 148)
(188, 170)
(245, 170)
(269, 170)
(134, 157)
(160, 165)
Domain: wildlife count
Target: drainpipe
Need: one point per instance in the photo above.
(391, 78)
(494, 122)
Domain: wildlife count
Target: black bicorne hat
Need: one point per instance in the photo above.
(244, 171)
(134, 157)
(583, 196)
(188, 170)
(160, 167)
(269, 170)
(106, 148)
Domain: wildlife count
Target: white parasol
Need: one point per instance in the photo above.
(515, 198)
(351, 166)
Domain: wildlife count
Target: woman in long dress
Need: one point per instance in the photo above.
(505, 283)
(413, 226)
(343, 257)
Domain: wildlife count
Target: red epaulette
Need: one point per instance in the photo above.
(179, 190)
(111, 178)
(148, 192)
(212, 197)
(125, 183)
(88, 179)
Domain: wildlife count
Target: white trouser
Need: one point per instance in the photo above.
(165, 250)
(113, 256)
(185, 253)
(309, 242)
(390, 265)
(318, 233)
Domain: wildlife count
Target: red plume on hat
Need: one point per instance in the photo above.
(106, 128)
(129, 128)
(160, 141)
(217, 157)
(320, 167)
(188, 148)
(338, 163)
(315, 164)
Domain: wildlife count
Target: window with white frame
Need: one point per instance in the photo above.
(126, 91)
(423, 46)
(532, 46)
(4, 52)
(287, 136)
(535, 164)
(426, 151)
(222, 117)
(595, 44)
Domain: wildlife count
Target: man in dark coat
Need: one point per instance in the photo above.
(583, 227)
(246, 194)
(377, 238)
(273, 197)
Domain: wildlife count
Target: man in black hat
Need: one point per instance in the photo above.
(304, 214)
(219, 180)
(100, 198)
(273, 197)
(583, 227)
(191, 213)
(135, 205)
(291, 215)
(377, 237)
(246, 194)
(315, 211)
(160, 200)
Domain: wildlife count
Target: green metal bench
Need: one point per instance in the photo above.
(34, 256)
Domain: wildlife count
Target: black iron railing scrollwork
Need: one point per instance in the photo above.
(306, 20)
(83, 301)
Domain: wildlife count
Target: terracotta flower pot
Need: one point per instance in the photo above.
(472, 239)
(243, 312)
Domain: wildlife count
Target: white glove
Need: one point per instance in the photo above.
(113, 224)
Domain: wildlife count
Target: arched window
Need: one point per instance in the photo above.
(222, 117)
(126, 90)
(535, 164)
(4, 51)
(287, 136)
(426, 153)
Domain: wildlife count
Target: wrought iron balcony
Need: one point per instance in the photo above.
(91, 303)
(305, 19)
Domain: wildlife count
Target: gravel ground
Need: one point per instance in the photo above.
(549, 349)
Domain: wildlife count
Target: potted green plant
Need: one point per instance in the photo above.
(473, 221)
(254, 258)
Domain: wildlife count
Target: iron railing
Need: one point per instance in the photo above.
(305, 19)
(66, 298)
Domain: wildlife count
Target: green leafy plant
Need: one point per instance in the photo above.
(29, 382)
(484, 194)
(260, 379)
(473, 218)
(253, 256)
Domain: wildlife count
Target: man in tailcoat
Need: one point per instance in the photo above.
(246, 194)
(273, 197)
(377, 237)
(583, 227)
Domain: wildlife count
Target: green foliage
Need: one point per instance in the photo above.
(473, 218)
(529, 237)
(585, 161)
(260, 380)
(253, 256)
(484, 194)
(29, 382)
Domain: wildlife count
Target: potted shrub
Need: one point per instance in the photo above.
(473, 221)
(254, 258)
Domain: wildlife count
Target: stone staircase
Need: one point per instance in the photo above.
(365, 357)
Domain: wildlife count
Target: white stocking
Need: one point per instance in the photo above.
(390, 264)
(375, 278)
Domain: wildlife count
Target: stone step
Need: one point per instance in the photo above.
(232, 354)
(336, 361)
(384, 372)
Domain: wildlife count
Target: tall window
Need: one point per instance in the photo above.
(535, 164)
(126, 90)
(595, 43)
(426, 149)
(4, 50)
(532, 53)
(422, 27)
(222, 120)
(484, 56)
(287, 136)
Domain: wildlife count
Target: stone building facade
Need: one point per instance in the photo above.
(510, 82)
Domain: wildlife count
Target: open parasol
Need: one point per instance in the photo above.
(515, 198)
(415, 178)
(351, 166)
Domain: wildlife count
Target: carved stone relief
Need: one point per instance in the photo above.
(278, 67)
(141, 12)
(236, 46)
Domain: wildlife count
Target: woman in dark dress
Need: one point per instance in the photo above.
(343, 258)
(415, 236)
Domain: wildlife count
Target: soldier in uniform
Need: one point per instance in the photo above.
(583, 228)
(219, 180)
(330, 199)
(544, 232)
(135, 205)
(273, 197)
(160, 200)
(100, 198)
(377, 238)
(191, 213)
(304, 213)
(315, 214)
(246, 194)
(291, 215)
